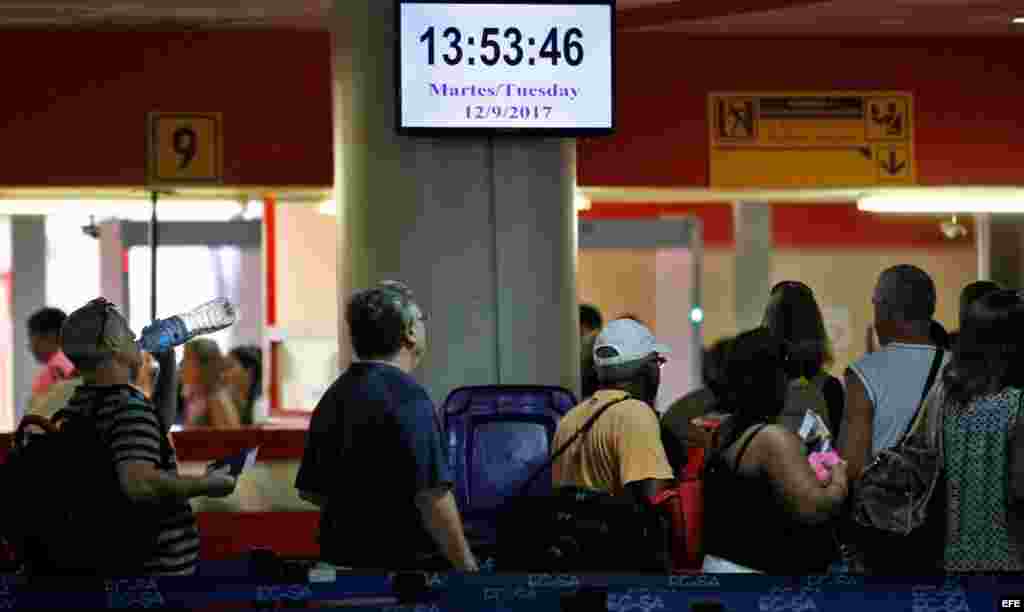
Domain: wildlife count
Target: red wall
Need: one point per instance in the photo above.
(73, 104)
(967, 93)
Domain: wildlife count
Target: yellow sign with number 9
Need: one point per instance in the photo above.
(185, 148)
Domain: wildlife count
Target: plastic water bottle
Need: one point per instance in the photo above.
(164, 334)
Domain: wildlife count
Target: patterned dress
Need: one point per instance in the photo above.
(976, 454)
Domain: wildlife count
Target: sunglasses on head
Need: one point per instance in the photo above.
(796, 285)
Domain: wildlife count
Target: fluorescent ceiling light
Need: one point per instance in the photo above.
(582, 201)
(169, 209)
(1018, 20)
(945, 203)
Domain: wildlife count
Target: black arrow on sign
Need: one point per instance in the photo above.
(891, 166)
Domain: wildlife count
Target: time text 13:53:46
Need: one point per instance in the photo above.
(511, 46)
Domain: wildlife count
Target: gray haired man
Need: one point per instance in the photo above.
(375, 461)
(883, 388)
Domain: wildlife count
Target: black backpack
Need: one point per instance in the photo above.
(580, 530)
(66, 513)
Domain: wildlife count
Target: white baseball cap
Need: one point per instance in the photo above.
(625, 341)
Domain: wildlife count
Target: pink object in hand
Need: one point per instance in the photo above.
(822, 462)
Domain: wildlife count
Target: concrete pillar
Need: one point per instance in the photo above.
(753, 229)
(28, 264)
(1006, 250)
(483, 229)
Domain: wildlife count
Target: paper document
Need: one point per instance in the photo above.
(236, 463)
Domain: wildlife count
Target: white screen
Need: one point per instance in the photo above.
(533, 94)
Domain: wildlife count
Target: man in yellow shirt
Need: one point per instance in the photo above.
(623, 450)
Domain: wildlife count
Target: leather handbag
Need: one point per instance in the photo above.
(893, 504)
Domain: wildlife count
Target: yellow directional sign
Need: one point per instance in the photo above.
(811, 140)
(185, 148)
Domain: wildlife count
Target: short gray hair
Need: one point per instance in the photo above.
(379, 317)
(905, 293)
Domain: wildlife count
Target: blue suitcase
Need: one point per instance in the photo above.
(497, 436)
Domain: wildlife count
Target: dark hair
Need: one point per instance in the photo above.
(250, 358)
(939, 335)
(590, 316)
(974, 291)
(905, 293)
(752, 389)
(378, 319)
(989, 354)
(46, 321)
(794, 316)
(713, 366)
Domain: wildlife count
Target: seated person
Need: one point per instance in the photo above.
(207, 400)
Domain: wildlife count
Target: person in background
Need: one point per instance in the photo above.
(103, 348)
(884, 388)
(871, 341)
(207, 400)
(765, 509)
(44, 341)
(794, 316)
(622, 452)
(940, 337)
(375, 434)
(677, 428)
(982, 388)
(969, 294)
(244, 377)
(591, 323)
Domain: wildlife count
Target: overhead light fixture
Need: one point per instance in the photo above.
(1018, 20)
(168, 209)
(582, 201)
(945, 203)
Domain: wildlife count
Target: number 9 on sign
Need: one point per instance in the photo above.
(185, 148)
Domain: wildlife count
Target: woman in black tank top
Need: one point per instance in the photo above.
(765, 509)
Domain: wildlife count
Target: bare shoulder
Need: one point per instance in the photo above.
(773, 440)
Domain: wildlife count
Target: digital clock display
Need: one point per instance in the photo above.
(516, 66)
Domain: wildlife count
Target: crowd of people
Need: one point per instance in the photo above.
(213, 389)
(375, 432)
(752, 381)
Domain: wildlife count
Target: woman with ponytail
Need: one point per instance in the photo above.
(760, 470)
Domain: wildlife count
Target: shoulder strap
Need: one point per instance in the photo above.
(746, 444)
(932, 374)
(583, 430)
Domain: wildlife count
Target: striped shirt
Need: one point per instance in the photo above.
(128, 423)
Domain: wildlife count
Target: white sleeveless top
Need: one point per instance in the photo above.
(894, 379)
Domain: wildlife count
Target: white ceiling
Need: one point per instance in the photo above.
(698, 17)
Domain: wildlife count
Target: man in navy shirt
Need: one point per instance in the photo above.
(375, 461)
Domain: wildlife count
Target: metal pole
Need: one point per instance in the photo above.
(153, 243)
(983, 241)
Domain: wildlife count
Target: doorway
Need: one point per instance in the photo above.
(649, 269)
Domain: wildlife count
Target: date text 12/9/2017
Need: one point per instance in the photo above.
(508, 112)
